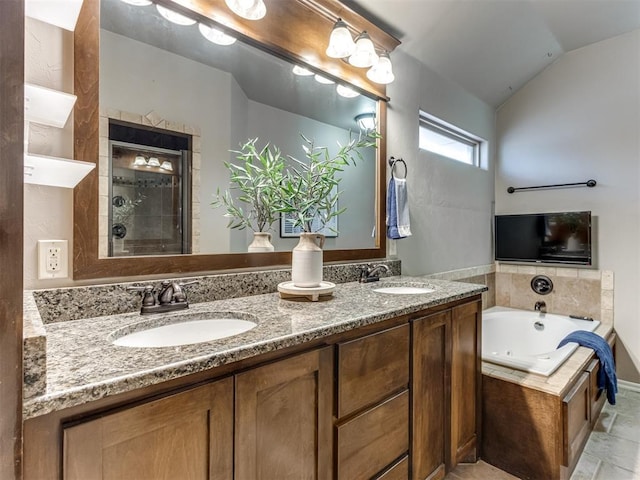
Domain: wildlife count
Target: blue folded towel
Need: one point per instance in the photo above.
(607, 374)
(397, 209)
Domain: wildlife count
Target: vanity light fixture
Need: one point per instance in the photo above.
(249, 9)
(167, 165)
(366, 121)
(216, 36)
(138, 3)
(323, 80)
(303, 72)
(341, 44)
(153, 162)
(346, 91)
(382, 71)
(175, 17)
(140, 161)
(365, 53)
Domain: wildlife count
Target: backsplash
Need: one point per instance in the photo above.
(575, 291)
(64, 304)
(482, 275)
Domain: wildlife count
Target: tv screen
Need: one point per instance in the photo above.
(563, 238)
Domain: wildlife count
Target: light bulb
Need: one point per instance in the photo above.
(382, 72)
(140, 161)
(303, 72)
(249, 9)
(175, 17)
(365, 54)
(216, 36)
(323, 80)
(166, 165)
(341, 43)
(346, 91)
(138, 3)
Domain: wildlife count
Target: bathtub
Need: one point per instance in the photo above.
(527, 340)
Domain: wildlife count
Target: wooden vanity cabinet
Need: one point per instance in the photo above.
(393, 400)
(188, 435)
(446, 380)
(283, 419)
(372, 426)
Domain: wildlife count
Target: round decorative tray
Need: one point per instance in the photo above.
(289, 290)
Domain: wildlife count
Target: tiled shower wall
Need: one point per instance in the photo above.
(576, 291)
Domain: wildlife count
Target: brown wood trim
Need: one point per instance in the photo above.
(11, 234)
(293, 29)
(86, 261)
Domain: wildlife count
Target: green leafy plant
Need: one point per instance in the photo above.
(310, 187)
(257, 179)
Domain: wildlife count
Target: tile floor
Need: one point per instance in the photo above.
(611, 453)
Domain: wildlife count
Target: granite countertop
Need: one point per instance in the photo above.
(83, 365)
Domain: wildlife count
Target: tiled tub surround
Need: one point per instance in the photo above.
(82, 365)
(576, 291)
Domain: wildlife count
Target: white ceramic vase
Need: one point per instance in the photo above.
(261, 242)
(306, 261)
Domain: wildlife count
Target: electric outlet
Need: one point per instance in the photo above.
(53, 259)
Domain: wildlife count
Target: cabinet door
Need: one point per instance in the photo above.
(284, 419)
(430, 383)
(465, 382)
(187, 435)
(576, 408)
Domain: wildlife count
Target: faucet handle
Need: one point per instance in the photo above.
(147, 292)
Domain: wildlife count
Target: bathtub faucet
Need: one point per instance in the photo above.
(540, 306)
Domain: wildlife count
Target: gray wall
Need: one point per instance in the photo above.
(450, 203)
(580, 119)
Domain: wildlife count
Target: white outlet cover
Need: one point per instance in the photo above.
(49, 267)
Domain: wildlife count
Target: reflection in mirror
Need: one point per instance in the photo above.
(168, 79)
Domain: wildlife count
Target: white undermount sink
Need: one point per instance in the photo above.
(180, 331)
(403, 289)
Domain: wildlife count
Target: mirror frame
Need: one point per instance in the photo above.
(309, 22)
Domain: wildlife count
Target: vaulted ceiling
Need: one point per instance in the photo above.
(493, 47)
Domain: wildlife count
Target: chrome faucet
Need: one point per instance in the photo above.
(541, 307)
(172, 296)
(371, 273)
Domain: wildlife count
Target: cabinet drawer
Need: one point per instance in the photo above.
(397, 471)
(372, 440)
(576, 407)
(372, 368)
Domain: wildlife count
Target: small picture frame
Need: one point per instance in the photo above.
(288, 230)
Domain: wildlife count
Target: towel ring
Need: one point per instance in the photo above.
(393, 162)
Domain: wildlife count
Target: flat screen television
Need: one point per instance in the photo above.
(562, 238)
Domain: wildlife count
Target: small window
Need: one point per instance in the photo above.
(443, 139)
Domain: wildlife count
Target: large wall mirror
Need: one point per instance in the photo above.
(172, 107)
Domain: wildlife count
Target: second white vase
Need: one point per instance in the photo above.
(261, 242)
(306, 261)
